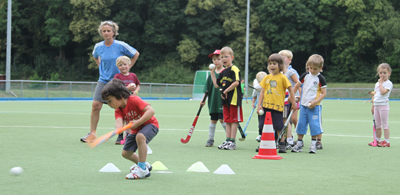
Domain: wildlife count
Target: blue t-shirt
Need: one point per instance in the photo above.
(108, 57)
(290, 67)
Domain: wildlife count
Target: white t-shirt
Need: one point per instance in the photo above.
(257, 90)
(312, 85)
(380, 99)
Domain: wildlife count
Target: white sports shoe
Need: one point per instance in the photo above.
(138, 173)
(258, 138)
(230, 146)
(313, 149)
(148, 166)
(223, 145)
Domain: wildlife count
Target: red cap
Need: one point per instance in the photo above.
(216, 52)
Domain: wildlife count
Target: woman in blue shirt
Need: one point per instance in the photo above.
(105, 54)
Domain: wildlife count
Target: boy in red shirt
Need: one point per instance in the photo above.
(145, 125)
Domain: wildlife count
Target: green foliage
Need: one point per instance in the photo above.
(389, 31)
(188, 49)
(170, 71)
(54, 77)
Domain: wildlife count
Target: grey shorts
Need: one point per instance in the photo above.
(97, 92)
(149, 131)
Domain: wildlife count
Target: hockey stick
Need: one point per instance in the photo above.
(284, 127)
(374, 143)
(248, 120)
(109, 135)
(251, 114)
(194, 122)
(242, 134)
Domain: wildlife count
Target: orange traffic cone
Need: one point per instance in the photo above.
(267, 145)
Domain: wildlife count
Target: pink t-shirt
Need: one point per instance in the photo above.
(131, 78)
(134, 111)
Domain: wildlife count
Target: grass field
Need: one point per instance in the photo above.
(43, 138)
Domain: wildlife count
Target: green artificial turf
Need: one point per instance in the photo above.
(42, 137)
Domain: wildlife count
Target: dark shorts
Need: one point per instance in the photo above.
(286, 110)
(97, 92)
(277, 119)
(216, 116)
(149, 131)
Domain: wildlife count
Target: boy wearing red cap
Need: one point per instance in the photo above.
(214, 97)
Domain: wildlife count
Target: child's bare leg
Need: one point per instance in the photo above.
(379, 133)
(130, 156)
(228, 130)
(294, 119)
(234, 127)
(142, 147)
(386, 133)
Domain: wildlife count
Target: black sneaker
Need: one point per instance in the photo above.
(119, 139)
(257, 148)
(319, 145)
(282, 148)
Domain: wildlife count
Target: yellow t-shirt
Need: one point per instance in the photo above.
(274, 91)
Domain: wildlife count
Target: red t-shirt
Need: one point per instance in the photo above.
(131, 78)
(134, 111)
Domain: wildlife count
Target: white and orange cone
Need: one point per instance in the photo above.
(267, 148)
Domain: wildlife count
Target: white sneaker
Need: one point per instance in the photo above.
(258, 138)
(298, 147)
(138, 173)
(148, 166)
(313, 149)
(230, 146)
(223, 145)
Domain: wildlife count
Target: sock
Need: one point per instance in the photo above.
(142, 165)
(228, 139)
(300, 141)
(290, 140)
(319, 140)
(224, 126)
(313, 142)
(211, 131)
(378, 139)
(232, 140)
(282, 143)
(387, 140)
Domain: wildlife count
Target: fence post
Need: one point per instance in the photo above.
(351, 92)
(181, 90)
(92, 90)
(22, 84)
(166, 90)
(47, 93)
(150, 91)
(70, 88)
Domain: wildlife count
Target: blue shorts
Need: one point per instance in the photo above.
(312, 117)
(149, 131)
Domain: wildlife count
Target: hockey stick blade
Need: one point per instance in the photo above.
(194, 122)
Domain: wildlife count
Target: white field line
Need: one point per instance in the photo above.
(203, 130)
(174, 116)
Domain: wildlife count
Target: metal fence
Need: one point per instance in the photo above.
(72, 89)
(85, 90)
